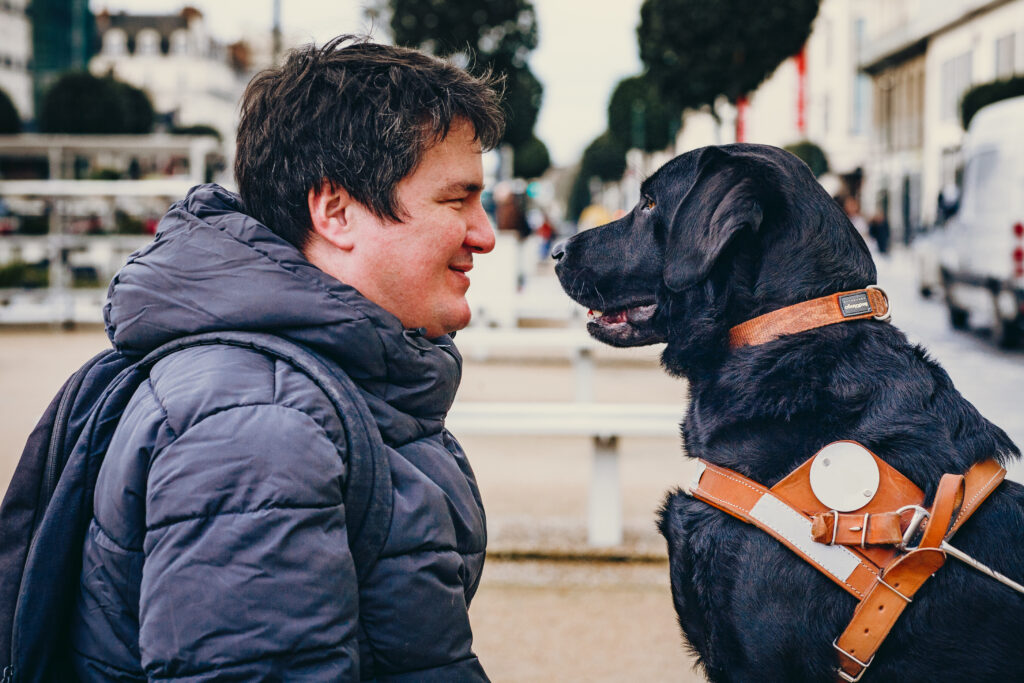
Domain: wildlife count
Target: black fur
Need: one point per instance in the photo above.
(724, 234)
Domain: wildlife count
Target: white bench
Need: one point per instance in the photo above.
(480, 343)
(604, 423)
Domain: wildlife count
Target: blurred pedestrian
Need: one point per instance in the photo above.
(851, 206)
(878, 228)
(546, 233)
(219, 545)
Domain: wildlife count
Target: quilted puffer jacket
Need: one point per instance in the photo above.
(218, 548)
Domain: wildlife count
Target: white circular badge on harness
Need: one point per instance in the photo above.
(844, 476)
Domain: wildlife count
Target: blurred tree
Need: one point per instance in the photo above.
(531, 159)
(579, 197)
(10, 121)
(987, 93)
(639, 117)
(697, 50)
(810, 154)
(482, 34)
(82, 103)
(522, 100)
(604, 159)
(136, 107)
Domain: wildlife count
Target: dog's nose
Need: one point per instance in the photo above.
(558, 250)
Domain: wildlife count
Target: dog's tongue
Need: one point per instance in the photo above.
(625, 315)
(616, 317)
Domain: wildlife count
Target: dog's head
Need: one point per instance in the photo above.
(720, 235)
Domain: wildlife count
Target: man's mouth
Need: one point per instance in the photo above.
(627, 326)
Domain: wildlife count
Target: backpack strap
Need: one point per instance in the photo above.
(368, 489)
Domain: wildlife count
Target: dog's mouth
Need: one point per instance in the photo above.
(626, 326)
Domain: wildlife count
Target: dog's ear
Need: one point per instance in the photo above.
(701, 229)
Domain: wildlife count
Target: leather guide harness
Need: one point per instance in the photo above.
(868, 553)
(866, 549)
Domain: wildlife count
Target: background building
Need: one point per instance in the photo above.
(191, 78)
(922, 59)
(62, 40)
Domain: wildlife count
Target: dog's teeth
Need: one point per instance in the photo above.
(595, 314)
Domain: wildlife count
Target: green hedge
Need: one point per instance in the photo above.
(986, 93)
(810, 154)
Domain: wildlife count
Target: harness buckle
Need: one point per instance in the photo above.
(863, 665)
(920, 514)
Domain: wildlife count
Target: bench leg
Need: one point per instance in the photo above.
(604, 517)
(583, 373)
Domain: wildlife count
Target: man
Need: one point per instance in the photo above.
(218, 548)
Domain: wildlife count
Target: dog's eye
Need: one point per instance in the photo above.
(648, 203)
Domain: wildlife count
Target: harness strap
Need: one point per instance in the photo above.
(838, 528)
(856, 304)
(979, 482)
(751, 502)
(877, 613)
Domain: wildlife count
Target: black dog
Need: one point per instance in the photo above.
(724, 234)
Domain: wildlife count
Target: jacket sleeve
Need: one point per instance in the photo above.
(247, 573)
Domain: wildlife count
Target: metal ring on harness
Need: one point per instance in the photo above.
(920, 514)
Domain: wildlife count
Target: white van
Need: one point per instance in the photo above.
(983, 262)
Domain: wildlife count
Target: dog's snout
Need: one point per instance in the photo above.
(558, 250)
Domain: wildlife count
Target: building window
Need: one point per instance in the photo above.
(147, 43)
(115, 43)
(1004, 56)
(861, 82)
(179, 42)
(956, 78)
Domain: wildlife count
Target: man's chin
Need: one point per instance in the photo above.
(449, 321)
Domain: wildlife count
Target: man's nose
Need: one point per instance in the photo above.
(480, 235)
(558, 250)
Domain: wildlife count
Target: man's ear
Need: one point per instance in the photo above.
(702, 227)
(330, 214)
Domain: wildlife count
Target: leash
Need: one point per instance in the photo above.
(868, 553)
(858, 304)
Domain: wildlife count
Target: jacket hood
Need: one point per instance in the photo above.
(213, 268)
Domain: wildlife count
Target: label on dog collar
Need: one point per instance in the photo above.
(854, 304)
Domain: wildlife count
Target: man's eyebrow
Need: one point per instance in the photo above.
(462, 188)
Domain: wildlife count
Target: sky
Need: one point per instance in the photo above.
(585, 48)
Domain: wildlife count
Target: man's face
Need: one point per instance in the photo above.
(418, 269)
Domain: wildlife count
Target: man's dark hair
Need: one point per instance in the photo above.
(356, 114)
